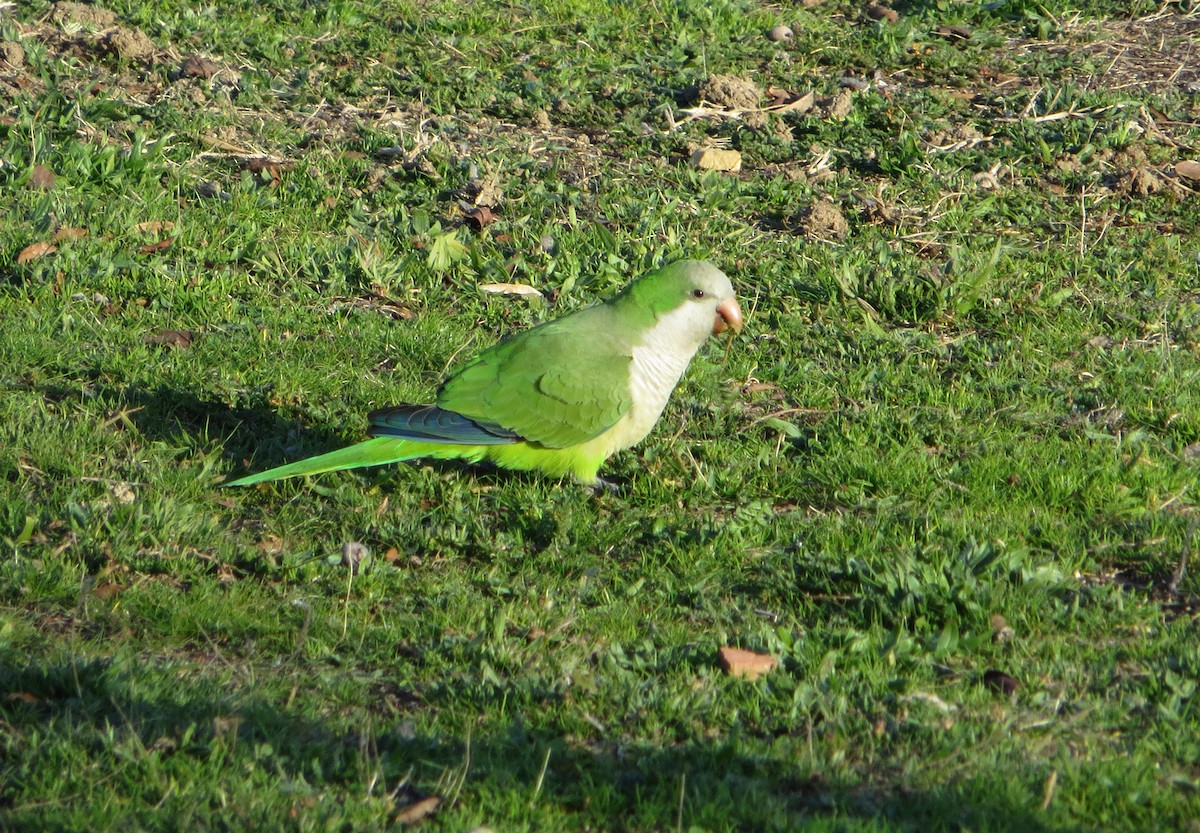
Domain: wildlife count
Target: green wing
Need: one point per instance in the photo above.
(560, 384)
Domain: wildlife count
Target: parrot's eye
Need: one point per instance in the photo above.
(697, 293)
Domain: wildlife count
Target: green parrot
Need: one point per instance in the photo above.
(559, 398)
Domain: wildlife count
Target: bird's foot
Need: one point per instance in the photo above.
(602, 486)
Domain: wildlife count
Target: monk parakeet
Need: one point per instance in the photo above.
(561, 397)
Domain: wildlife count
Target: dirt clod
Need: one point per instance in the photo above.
(1144, 182)
(129, 44)
(841, 105)
(41, 178)
(822, 221)
(12, 54)
(731, 91)
(956, 136)
(194, 66)
(97, 17)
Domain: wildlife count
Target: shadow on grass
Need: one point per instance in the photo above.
(98, 719)
(255, 435)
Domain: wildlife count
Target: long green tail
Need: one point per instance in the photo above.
(580, 461)
(374, 452)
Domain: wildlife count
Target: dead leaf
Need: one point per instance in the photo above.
(274, 167)
(878, 12)
(737, 662)
(783, 101)
(522, 289)
(154, 226)
(22, 697)
(418, 810)
(106, 591)
(67, 233)
(1188, 169)
(41, 178)
(216, 143)
(171, 338)
(480, 216)
(35, 251)
(151, 248)
(716, 159)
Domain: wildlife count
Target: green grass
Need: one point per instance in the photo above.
(961, 440)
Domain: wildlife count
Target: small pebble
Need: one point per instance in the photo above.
(780, 33)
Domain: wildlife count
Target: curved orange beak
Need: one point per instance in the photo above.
(729, 317)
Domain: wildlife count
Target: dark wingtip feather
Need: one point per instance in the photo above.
(431, 424)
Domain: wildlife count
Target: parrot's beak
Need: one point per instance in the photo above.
(729, 317)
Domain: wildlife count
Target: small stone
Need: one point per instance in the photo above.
(715, 159)
(780, 33)
(1186, 168)
(749, 665)
(209, 189)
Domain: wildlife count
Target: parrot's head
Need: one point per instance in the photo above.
(694, 295)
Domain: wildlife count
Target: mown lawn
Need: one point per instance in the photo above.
(946, 475)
